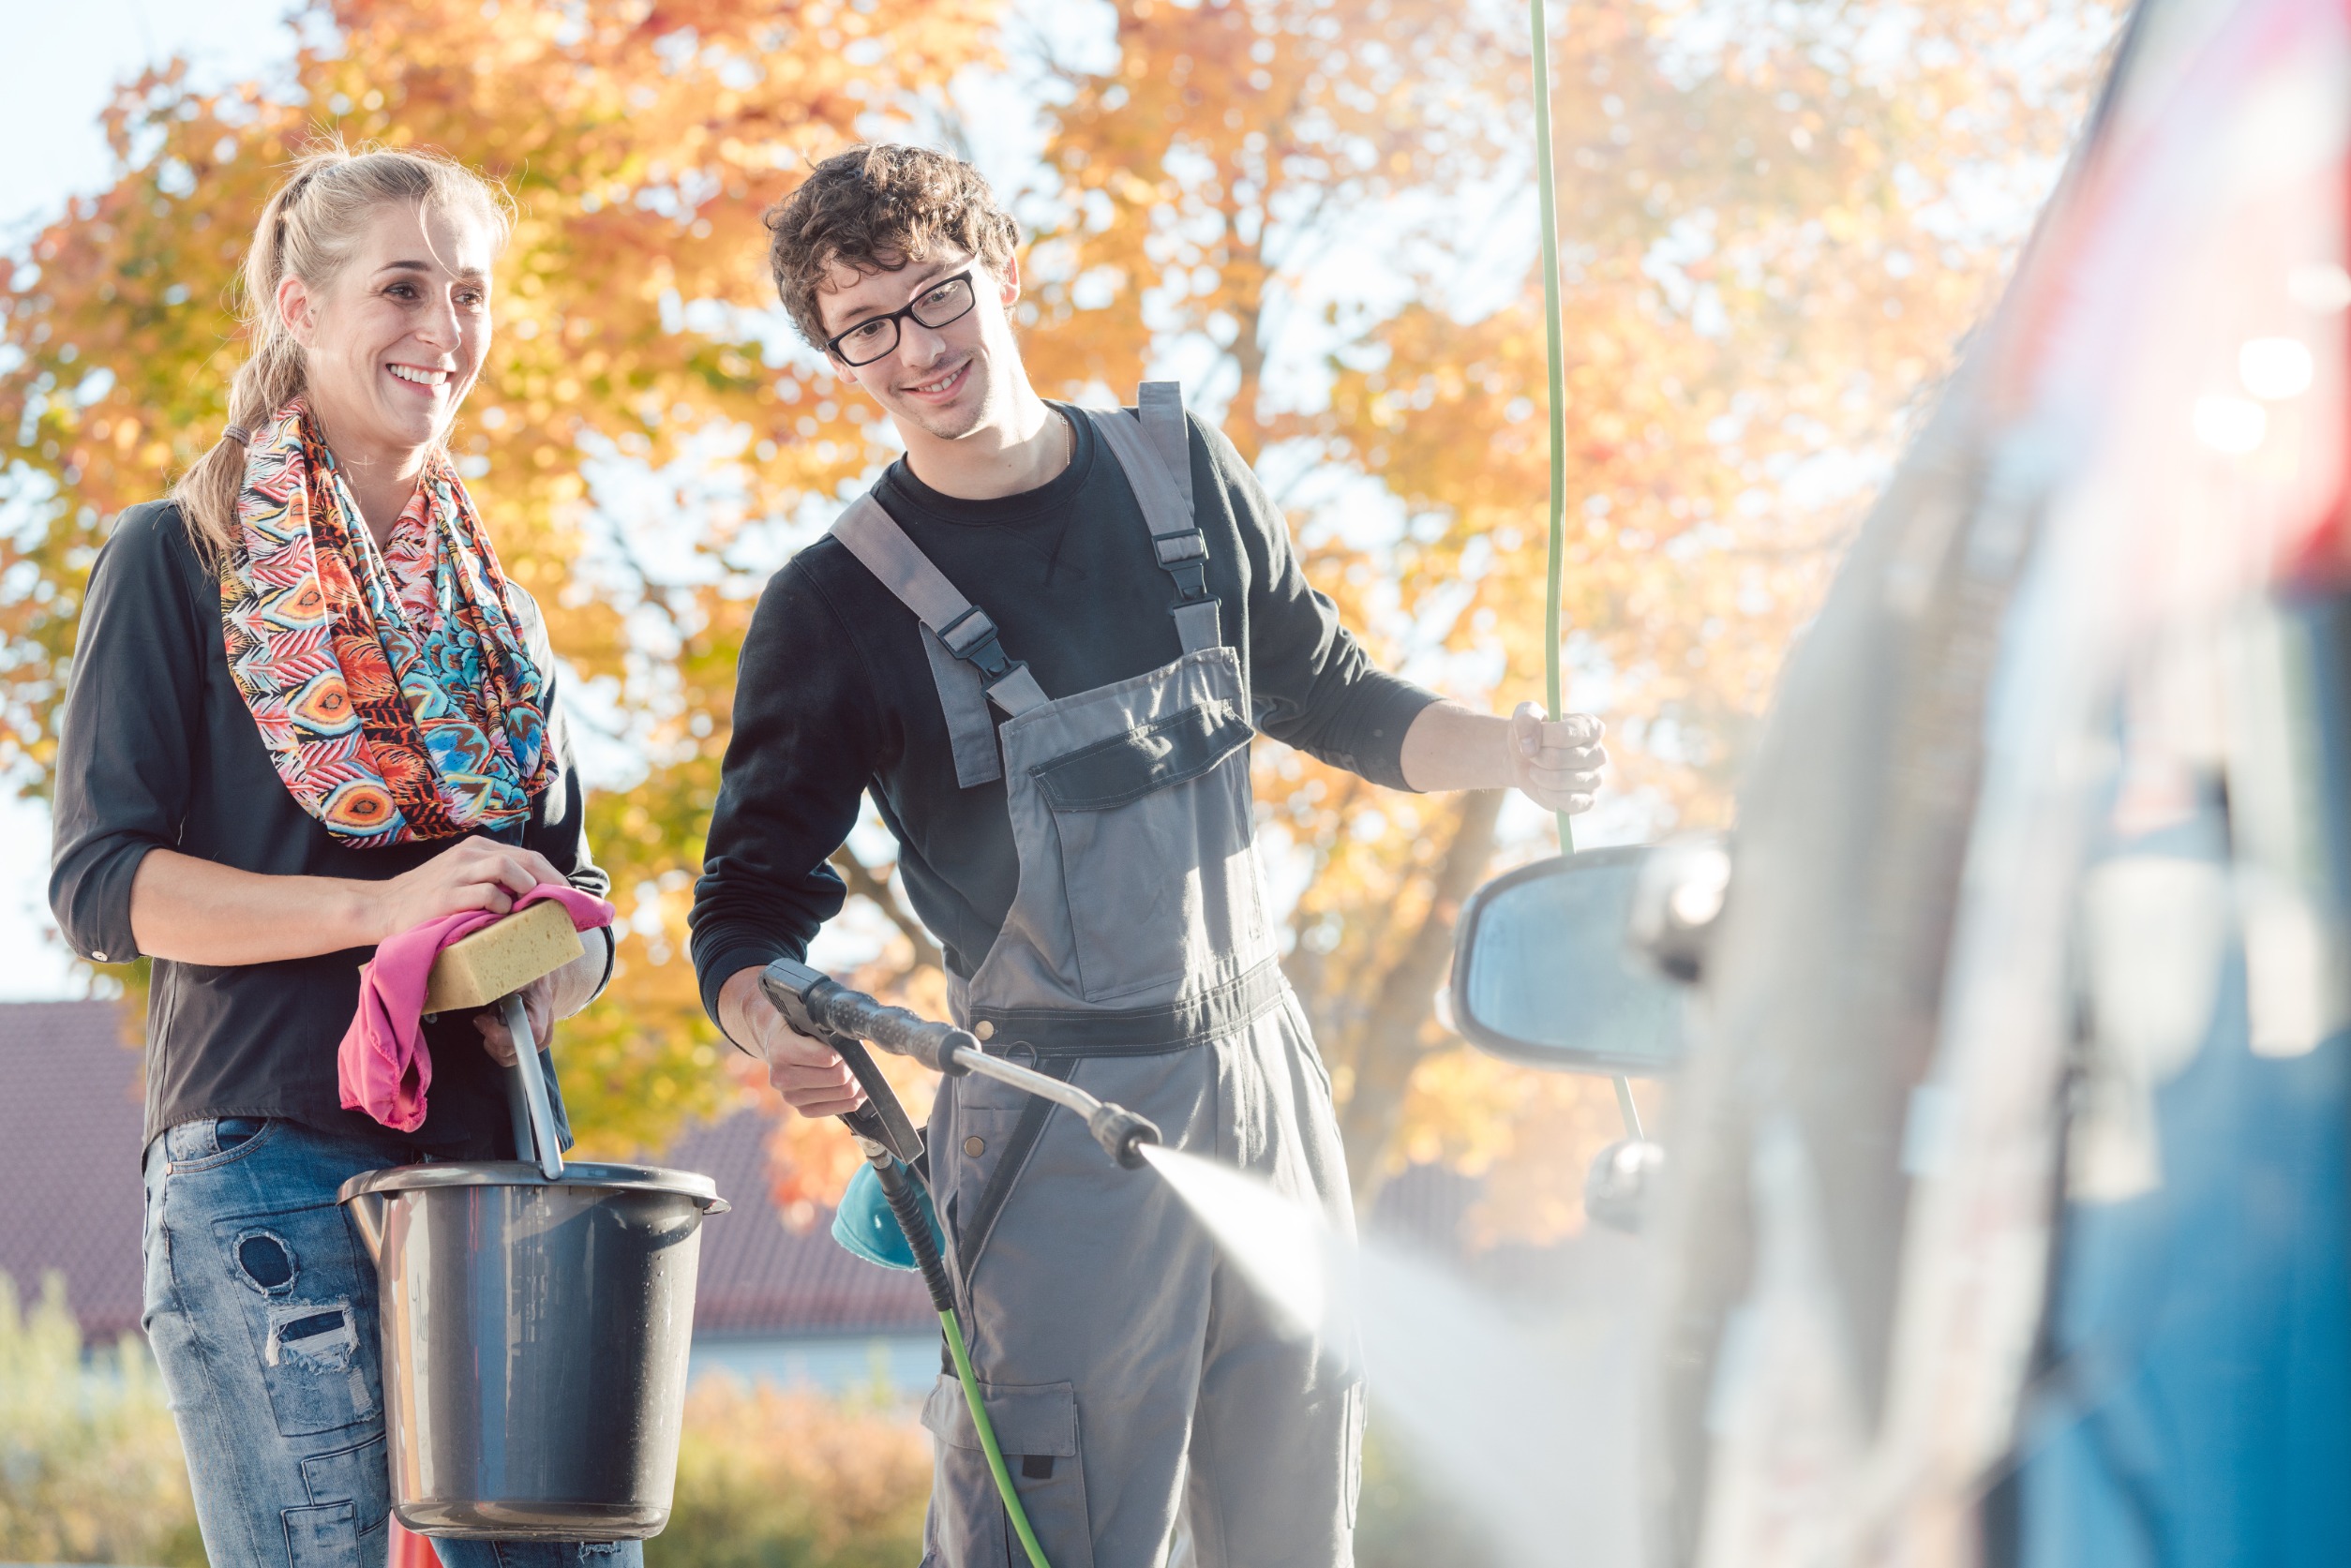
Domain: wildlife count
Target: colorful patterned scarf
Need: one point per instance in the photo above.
(392, 688)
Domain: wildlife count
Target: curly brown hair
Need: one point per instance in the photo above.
(878, 207)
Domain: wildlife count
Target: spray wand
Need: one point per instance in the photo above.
(823, 1008)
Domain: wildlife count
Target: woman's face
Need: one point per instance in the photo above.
(395, 338)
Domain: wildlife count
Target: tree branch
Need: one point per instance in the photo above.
(873, 887)
(1389, 1045)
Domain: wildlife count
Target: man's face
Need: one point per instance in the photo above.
(948, 381)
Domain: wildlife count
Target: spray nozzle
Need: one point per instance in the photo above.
(1121, 1133)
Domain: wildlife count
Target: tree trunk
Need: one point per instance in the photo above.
(1391, 1040)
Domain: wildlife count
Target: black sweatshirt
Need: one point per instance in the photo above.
(159, 751)
(835, 695)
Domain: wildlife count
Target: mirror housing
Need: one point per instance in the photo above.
(1677, 901)
(1571, 962)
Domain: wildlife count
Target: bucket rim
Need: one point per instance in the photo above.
(692, 1184)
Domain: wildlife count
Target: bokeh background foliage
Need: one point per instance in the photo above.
(1777, 223)
(91, 1469)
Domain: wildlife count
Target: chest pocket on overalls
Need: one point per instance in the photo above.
(1154, 833)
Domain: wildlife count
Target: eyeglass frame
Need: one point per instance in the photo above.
(905, 313)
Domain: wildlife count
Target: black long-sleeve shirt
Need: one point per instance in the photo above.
(834, 696)
(159, 751)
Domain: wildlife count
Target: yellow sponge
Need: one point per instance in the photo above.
(502, 958)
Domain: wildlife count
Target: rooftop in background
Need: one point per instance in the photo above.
(70, 1197)
(69, 1170)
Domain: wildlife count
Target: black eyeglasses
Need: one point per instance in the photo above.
(949, 299)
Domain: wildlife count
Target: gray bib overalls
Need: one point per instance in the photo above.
(1132, 1377)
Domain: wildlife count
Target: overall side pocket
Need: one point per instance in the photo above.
(1037, 1428)
(1154, 829)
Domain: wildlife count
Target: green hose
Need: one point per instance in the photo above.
(1547, 199)
(970, 1381)
(1546, 193)
(897, 1185)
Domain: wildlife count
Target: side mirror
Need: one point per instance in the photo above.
(1570, 963)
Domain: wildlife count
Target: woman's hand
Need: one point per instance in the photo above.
(195, 911)
(549, 997)
(472, 874)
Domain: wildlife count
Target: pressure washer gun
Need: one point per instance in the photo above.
(823, 1008)
(828, 1010)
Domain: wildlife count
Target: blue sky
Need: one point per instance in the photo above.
(64, 62)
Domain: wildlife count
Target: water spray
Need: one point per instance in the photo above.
(823, 1008)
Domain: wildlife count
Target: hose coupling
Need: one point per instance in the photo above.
(1122, 1133)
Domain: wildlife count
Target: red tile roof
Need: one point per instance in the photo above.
(70, 1199)
(69, 1192)
(759, 1276)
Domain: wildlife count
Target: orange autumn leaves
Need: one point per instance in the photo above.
(641, 144)
(1775, 230)
(1314, 210)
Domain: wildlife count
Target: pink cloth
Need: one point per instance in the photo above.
(383, 1064)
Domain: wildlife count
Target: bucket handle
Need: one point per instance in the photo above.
(527, 1096)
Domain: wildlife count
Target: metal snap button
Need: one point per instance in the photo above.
(983, 1029)
(975, 1146)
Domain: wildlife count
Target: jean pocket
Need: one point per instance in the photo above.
(229, 1131)
(216, 1141)
(359, 1476)
(326, 1535)
(308, 1300)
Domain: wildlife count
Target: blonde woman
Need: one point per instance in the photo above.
(308, 711)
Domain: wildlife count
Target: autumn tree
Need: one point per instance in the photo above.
(1770, 257)
(1775, 230)
(641, 143)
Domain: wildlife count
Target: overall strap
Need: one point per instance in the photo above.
(1155, 452)
(966, 662)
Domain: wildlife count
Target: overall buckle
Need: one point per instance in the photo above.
(971, 636)
(1184, 557)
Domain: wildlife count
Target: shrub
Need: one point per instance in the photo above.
(90, 1467)
(1399, 1523)
(91, 1471)
(774, 1478)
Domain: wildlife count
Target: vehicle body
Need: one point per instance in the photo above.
(2005, 1214)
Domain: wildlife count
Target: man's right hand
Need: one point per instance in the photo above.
(808, 1073)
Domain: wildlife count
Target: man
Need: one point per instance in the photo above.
(1043, 642)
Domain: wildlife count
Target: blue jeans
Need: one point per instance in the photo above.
(260, 1307)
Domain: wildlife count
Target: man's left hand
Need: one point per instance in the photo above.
(1557, 764)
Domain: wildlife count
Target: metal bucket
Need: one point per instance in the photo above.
(535, 1342)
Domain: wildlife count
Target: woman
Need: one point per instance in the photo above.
(307, 711)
